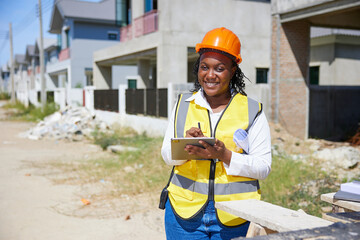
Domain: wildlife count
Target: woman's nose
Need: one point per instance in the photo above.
(211, 73)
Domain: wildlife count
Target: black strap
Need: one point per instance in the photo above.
(171, 175)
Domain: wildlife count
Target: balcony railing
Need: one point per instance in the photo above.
(64, 54)
(125, 33)
(150, 22)
(145, 24)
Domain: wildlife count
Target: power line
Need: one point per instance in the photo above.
(31, 16)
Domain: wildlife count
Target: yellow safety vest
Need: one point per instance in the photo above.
(196, 182)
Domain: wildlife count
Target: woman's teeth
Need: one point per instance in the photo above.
(210, 84)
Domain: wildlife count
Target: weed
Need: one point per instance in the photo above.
(30, 113)
(4, 96)
(297, 185)
(129, 172)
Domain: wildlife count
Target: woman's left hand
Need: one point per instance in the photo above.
(218, 151)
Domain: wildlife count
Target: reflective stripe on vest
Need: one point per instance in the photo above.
(220, 189)
(194, 181)
(181, 114)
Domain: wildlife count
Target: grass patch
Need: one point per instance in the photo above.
(30, 113)
(4, 96)
(133, 171)
(129, 172)
(294, 184)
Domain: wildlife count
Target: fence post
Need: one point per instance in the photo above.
(145, 107)
(59, 97)
(26, 94)
(122, 98)
(157, 101)
(170, 96)
(89, 97)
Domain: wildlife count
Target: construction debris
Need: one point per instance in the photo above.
(85, 201)
(355, 140)
(120, 148)
(72, 123)
(342, 157)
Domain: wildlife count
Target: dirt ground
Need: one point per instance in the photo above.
(32, 206)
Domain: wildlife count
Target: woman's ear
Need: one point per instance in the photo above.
(233, 70)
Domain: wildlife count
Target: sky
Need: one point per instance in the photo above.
(25, 25)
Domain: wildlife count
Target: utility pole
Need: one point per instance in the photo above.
(41, 48)
(11, 65)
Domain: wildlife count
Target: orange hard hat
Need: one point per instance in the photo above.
(222, 39)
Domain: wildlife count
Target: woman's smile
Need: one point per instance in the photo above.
(211, 84)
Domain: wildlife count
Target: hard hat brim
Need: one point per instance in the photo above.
(199, 46)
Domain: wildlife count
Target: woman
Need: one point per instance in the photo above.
(218, 108)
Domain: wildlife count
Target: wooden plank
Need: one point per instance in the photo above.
(271, 216)
(329, 197)
(331, 218)
(345, 217)
(336, 231)
(255, 230)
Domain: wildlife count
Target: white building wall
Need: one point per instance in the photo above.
(337, 57)
(184, 23)
(345, 72)
(282, 6)
(82, 57)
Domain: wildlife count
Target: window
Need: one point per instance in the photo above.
(112, 35)
(123, 13)
(150, 5)
(131, 83)
(89, 76)
(67, 38)
(314, 75)
(59, 40)
(262, 75)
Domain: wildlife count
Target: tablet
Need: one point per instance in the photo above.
(178, 145)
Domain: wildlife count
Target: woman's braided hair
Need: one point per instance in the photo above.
(237, 82)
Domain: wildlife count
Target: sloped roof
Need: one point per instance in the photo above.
(48, 43)
(103, 11)
(30, 52)
(20, 59)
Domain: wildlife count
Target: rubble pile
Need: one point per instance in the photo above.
(345, 157)
(342, 158)
(72, 123)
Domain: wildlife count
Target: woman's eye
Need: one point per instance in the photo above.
(220, 69)
(203, 68)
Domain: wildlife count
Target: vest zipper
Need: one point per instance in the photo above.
(212, 180)
(211, 194)
(212, 170)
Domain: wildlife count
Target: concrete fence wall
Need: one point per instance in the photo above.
(157, 126)
(153, 126)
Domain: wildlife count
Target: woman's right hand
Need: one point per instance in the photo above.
(194, 132)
